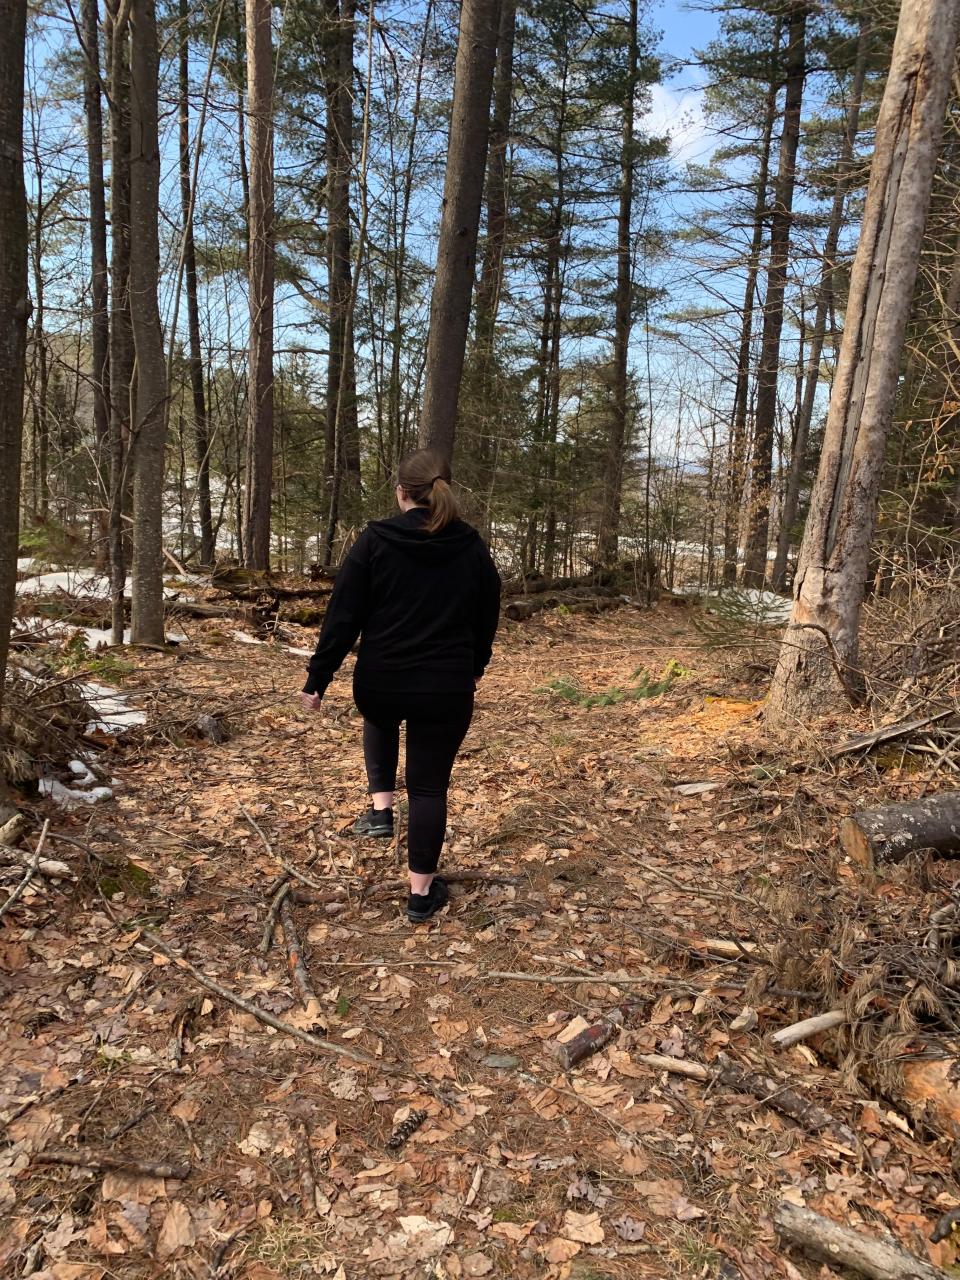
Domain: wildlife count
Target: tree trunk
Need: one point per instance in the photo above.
(342, 461)
(256, 531)
(791, 498)
(459, 224)
(121, 332)
(736, 450)
(149, 436)
(892, 832)
(201, 434)
(100, 317)
(14, 305)
(491, 268)
(834, 556)
(617, 435)
(755, 558)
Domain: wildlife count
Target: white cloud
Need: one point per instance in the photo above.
(679, 115)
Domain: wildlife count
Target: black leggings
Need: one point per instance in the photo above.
(437, 723)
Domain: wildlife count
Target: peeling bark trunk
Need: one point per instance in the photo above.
(149, 437)
(460, 221)
(14, 304)
(834, 557)
(761, 470)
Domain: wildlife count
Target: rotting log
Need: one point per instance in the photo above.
(827, 1241)
(891, 833)
(519, 610)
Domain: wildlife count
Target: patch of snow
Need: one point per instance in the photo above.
(111, 709)
(243, 638)
(25, 564)
(300, 653)
(773, 607)
(82, 773)
(81, 582)
(96, 636)
(67, 798)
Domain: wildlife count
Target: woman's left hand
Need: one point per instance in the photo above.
(310, 701)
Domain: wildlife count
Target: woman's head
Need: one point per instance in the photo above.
(424, 479)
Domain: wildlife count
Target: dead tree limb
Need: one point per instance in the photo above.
(808, 1027)
(828, 1241)
(295, 964)
(891, 833)
(31, 871)
(315, 1042)
(103, 1160)
(271, 921)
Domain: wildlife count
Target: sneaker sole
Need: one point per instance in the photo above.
(374, 835)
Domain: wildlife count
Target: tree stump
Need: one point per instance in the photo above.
(891, 833)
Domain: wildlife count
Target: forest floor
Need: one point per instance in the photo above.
(518, 1168)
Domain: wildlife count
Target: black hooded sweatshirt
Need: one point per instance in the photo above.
(425, 606)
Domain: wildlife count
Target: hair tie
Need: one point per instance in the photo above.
(436, 478)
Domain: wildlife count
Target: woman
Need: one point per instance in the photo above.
(423, 595)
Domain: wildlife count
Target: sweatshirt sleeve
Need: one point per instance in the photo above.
(345, 616)
(488, 612)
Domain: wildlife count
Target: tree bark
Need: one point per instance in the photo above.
(341, 446)
(149, 436)
(14, 304)
(459, 224)
(100, 306)
(617, 433)
(755, 558)
(121, 332)
(834, 556)
(828, 1241)
(891, 833)
(201, 435)
(491, 268)
(741, 396)
(791, 498)
(259, 491)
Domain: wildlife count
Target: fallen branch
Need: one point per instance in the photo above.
(886, 734)
(593, 1039)
(308, 1182)
(828, 1241)
(724, 948)
(773, 1093)
(890, 833)
(295, 964)
(808, 1027)
(103, 1160)
(31, 872)
(271, 921)
(48, 867)
(321, 1046)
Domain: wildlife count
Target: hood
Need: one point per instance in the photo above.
(406, 532)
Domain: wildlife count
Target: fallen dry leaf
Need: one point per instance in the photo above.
(177, 1231)
(584, 1227)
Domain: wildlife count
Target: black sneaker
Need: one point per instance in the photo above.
(375, 822)
(421, 906)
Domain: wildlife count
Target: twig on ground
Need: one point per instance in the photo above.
(295, 964)
(270, 923)
(127, 1125)
(321, 1046)
(808, 1027)
(103, 1160)
(31, 872)
(308, 1182)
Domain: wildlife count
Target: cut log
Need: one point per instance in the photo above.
(892, 833)
(827, 1241)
